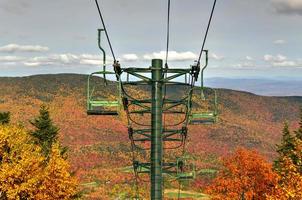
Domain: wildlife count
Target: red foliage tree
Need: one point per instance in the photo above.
(246, 175)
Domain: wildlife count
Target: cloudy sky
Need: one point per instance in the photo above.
(248, 38)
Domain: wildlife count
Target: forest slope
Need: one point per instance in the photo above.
(99, 142)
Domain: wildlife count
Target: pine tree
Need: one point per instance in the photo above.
(285, 148)
(298, 146)
(289, 166)
(46, 132)
(4, 117)
(298, 132)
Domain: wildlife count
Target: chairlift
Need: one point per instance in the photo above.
(185, 170)
(209, 115)
(98, 104)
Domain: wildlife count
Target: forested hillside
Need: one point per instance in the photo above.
(99, 147)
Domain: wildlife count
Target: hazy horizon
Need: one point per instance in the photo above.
(284, 86)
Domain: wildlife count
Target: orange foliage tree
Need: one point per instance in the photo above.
(24, 172)
(245, 175)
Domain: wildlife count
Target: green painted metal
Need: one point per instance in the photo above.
(104, 103)
(205, 117)
(100, 105)
(189, 173)
(103, 51)
(180, 170)
(202, 75)
(157, 128)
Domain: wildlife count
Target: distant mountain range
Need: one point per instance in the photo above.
(266, 87)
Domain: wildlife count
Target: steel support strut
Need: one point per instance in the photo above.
(157, 129)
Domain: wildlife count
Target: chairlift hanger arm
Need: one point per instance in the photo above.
(204, 67)
(101, 48)
(105, 29)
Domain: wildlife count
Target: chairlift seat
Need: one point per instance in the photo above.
(186, 176)
(203, 118)
(97, 107)
(103, 103)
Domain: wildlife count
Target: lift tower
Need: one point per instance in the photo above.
(152, 136)
(157, 129)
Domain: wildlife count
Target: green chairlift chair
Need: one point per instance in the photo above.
(98, 105)
(208, 116)
(185, 171)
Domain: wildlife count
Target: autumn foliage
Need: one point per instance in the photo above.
(245, 175)
(289, 166)
(24, 172)
(99, 148)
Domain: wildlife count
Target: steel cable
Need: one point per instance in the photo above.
(168, 33)
(106, 32)
(207, 31)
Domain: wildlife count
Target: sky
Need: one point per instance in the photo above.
(247, 38)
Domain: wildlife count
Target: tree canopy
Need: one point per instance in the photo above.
(245, 175)
(24, 172)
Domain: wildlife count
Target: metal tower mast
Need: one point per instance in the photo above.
(158, 105)
(157, 129)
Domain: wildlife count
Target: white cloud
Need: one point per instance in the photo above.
(285, 64)
(67, 59)
(179, 56)
(277, 58)
(216, 57)
(10, 58)
(244, 65)
(281, 61)
(10, 48)
(287, 6)
(249, 58)
(279, 42)
(173, 56)
(64, 59)
(130, 57)
(32, 64)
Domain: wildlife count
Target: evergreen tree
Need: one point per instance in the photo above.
(298, 132)
(285, 148)
(4, 117)
(46, 132)
(298, 146)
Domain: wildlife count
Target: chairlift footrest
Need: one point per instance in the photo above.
(101, 112)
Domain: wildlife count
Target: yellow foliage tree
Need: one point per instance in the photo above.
(24, 172)
(290, 176)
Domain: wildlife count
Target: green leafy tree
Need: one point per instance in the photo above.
(46, 133)
(285, 148)
(4, 117)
